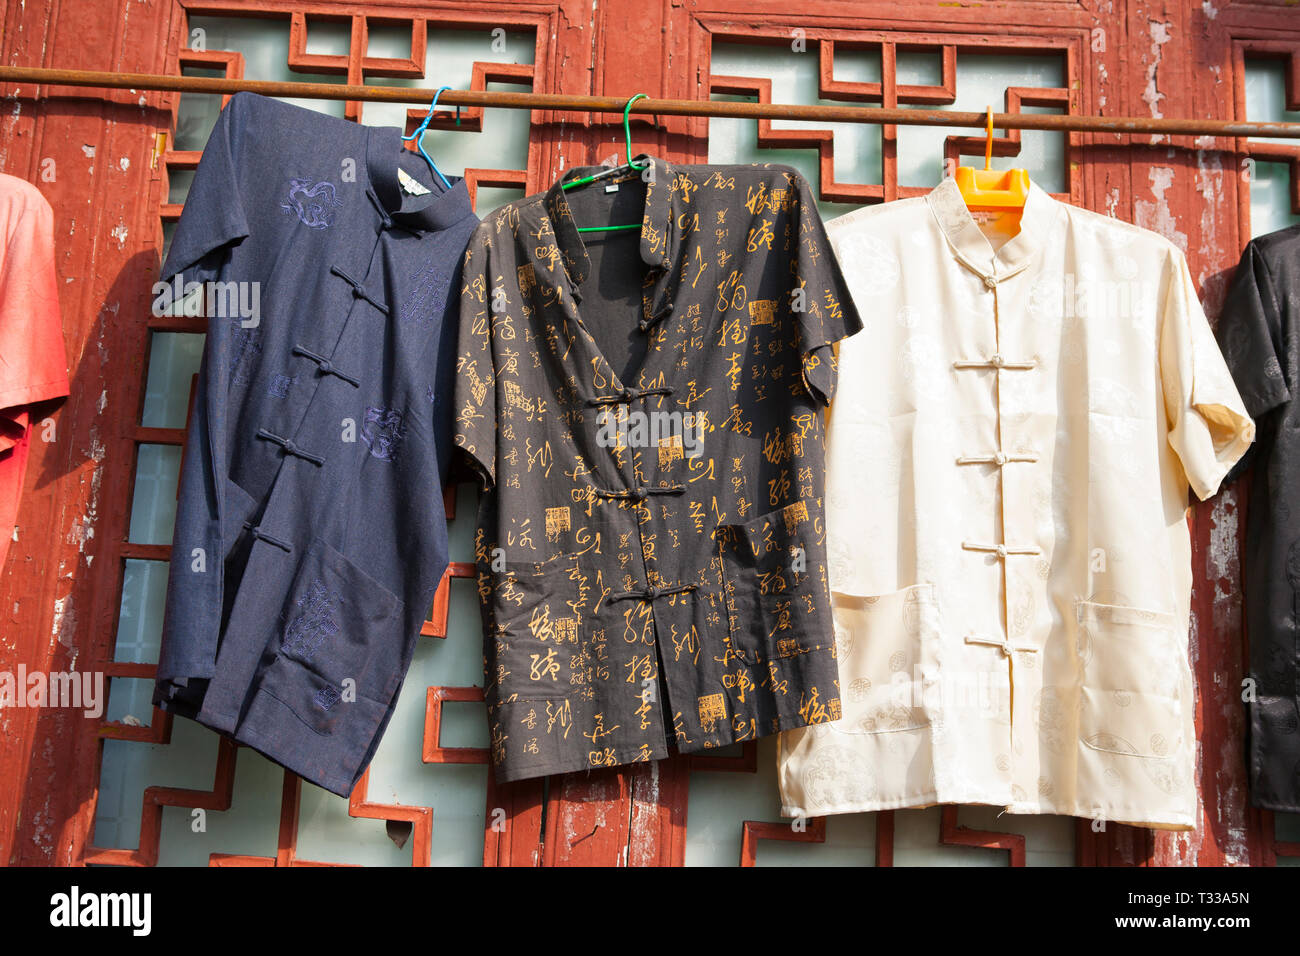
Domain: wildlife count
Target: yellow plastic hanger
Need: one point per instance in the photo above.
(989, 189)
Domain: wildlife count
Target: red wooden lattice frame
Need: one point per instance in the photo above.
(892, 95)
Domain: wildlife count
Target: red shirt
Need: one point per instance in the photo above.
(33, 364)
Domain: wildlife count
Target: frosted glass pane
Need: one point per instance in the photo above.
(328, 37)
(194, 119)
(851, 66)
(503, 144)
(1049, 840)
(915, 68)
(179, 180)
(1270, 199)
(449, 61)
(153, 502)
(391, 40)
(250, 826)
(139, 619)
(174, 359)
(1287, 828)
(264, 44)
(982, 80)
(129, 701)
(720, 803)
(1269, 183)
(794, 80)
(168, 230)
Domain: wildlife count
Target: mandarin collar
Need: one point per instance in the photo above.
(655, 220)
(439, 210)
(972, 247)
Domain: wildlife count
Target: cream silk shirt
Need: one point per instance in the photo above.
(1009, 454)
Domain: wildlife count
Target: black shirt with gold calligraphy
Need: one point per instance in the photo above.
(644, 408)
(1259, 333)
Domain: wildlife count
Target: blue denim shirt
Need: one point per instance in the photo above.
(310, 535)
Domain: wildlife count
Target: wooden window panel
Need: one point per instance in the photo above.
(1261, 211)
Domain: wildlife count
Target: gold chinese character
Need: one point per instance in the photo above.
(795, 515)
(762, 312)
(712, 708)
(670, 450)
(543, 665)
(527, 278)
(557, 521)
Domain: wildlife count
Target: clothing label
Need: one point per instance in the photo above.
(612, 188)
(410, 184)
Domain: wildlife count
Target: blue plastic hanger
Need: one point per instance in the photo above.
(418, 136)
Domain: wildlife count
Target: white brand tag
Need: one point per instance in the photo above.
(410, 184)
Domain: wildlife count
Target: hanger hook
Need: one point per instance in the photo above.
(988, 139)
(627, 124)
(418, 135)
(434, 105)
(428, 117)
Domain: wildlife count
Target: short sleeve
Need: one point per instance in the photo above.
(474, 398)
(439, 372)
(1209, 427)
(820, 299)
(33, 363)
(214, 209)
(1251, 335)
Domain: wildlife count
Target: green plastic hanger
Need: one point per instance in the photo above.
(627, 135)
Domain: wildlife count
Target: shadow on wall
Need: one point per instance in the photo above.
(61, 582)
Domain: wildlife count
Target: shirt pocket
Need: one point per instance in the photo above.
(341, 652)
(1134, 681)
(888, 647)
(777, 603)
(542, 614)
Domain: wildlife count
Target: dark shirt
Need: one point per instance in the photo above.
(645, 411)
(1259, 335)
(310, 535)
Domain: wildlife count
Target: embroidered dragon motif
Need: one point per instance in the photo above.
(312, 203)
(383, 431)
